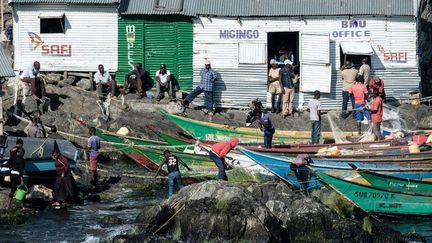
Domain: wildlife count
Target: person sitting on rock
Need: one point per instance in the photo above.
(174, 176)
(218, 154)
(31, 76)
(136, 77)
(163, 78)
(103, 81)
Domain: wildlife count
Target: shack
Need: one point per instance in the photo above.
(155, 33)
(5, 71)
(239, 37)
(65, 35)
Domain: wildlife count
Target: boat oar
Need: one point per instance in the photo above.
(353, 166)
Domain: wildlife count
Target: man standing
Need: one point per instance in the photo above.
(93, 145)
(349, 74)
(359, 91)
(208, 76)
(376, 109)
(32, 76)
(172, 162)
(103, 80)
(163, 78)
(136, 77)
(16, 164)
(218, 154)
(377, 84)
(314, 108)
(364, 71)
(286, 76)
(274, 86)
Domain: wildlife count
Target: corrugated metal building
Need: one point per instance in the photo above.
(6, 69)
(239, 37)
(65, 35)
(153, 35)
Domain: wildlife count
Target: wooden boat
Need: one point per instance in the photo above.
(281, 167)
(38, 155)
(395, 183)
(379, 200)
(207, 131)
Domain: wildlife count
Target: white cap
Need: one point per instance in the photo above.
(287, 62)
(272, 61)
(207, 62)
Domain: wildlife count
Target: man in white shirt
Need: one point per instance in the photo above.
(103, 80)
(314, 107)
(31, 76)
(163, 78)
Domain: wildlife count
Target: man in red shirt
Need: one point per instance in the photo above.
(377, 84)
(359, 91)
(218, 153)
(376, 109)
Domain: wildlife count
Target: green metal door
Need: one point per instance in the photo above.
(153, 41)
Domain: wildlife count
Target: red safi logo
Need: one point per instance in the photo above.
(48, 49)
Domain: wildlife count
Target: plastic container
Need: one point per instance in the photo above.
(419, 139)
(414, 149)
(21, 192)
(7, 178)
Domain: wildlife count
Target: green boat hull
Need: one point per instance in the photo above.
(396, 183)
(381, 201)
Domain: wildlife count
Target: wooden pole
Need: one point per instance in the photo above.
(1, 116)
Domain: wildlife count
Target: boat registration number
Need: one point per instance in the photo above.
(379, 195)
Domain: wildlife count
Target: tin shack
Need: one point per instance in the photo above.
(239, 37)
(65, 35)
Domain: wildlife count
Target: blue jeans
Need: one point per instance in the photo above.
(221, 166)
(208, 97)
(360, 114)
(316, 131)
(345, 97)
(174, 177)
(268, 137)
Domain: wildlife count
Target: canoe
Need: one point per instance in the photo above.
(281, 167)
(377, 200)
(207, 131)
(396, 183)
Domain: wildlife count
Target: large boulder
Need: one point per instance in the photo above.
(85, 84)
(53, 78)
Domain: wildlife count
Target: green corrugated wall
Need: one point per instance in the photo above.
(153, 40)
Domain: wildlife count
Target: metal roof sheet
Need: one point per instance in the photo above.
(244, 8)
(68, 1)
(6, 69)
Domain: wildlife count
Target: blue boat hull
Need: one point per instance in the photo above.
(281, 167)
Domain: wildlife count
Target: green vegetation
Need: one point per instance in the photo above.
(367, 225)
(12, 216)
(335, 201)
(243, 175)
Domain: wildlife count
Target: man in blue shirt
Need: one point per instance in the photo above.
(286, 75)
(264, 123)
(208, 76)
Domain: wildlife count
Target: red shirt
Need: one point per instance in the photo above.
(222, 148)
(377, 109)
(359, 90)
(373, 85)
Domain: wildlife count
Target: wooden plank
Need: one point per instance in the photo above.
(1, 116)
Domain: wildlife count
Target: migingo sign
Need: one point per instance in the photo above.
(238, 34)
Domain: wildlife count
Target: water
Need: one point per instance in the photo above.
(80, 223)
(422, 227)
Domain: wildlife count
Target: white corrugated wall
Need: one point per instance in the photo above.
(240, 83)
(91, 30)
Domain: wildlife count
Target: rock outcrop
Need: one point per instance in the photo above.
(227, 212)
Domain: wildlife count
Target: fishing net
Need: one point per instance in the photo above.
(338, 134)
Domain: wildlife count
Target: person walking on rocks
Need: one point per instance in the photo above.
(136, 77)
(364, 71)
(65, 186)
(93, 145)
(218, 154)
(16, 164)
(163, 78)
(314, 108)
(286, 76)
(208, 76)
(174, 176)
(103, 80)
(359, 91)
(349, 74)
(274, 86)
(31, 75)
